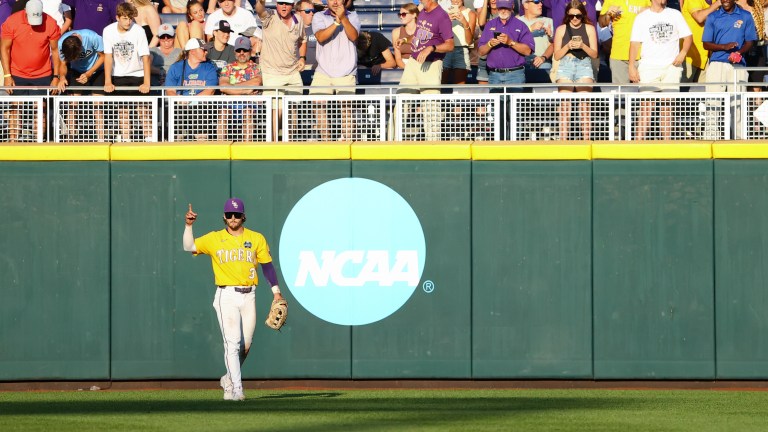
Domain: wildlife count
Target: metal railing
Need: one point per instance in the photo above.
(457, 113)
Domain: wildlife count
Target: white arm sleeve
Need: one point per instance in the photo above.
(188, 240)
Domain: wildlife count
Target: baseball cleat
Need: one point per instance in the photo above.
(238, 395)
(226, 384)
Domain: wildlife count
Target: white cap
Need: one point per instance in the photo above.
(195, 43)
(34, 10)
(166, 29)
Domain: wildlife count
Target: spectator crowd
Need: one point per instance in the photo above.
(571, 44)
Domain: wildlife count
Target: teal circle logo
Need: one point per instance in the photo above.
(352, 251)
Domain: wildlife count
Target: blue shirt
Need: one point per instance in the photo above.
(205, 74)
(93, 44)
(504, 56)
(723, 28)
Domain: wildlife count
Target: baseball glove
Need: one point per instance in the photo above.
(277, 314)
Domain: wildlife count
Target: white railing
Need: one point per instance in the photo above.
(468, 113)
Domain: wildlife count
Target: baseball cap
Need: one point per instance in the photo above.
(224, 26)
(234, 205)
(196, 43)
(243, 42)
(166, 29)
(504, 4)
(34, 10)
(252, 31)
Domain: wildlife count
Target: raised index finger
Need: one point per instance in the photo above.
(190, 207)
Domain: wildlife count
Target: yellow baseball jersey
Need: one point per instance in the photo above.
(622, 27)
(697, 55)
(234, 258)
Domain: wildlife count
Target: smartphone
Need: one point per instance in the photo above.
(496, 34)
(576, 38)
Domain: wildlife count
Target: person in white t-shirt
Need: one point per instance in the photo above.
(658, 31)
(60, 12)
(127, 63)
(238, 18)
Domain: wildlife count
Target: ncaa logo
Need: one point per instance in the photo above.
(352, 251)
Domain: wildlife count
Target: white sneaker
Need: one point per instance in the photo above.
(226, 384)
(237, 394)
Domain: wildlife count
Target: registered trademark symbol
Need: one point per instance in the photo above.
(428, 286)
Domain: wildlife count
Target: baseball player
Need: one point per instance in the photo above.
(235, 252)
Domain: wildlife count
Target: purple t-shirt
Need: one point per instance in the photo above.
(556, 10)
(432, 28)
(6, 8)
(93, 14)
(503, 56)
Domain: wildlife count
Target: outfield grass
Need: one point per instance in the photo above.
(387, 410)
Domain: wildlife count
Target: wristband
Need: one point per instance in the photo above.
(275, 289)
(7, 76)
(303, 57)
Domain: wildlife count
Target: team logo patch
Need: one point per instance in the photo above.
(738, 24)
(247, 245)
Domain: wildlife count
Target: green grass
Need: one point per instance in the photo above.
(386, 410)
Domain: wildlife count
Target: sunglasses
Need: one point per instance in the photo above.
(577, 16)
(284, 4)
(403, 14)
(242, 50)
(534, 1)
(308, 11)
(165, 37)
(230, 215)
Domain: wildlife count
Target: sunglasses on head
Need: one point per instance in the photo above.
(230, 215)
(308, 11)
(572, 16)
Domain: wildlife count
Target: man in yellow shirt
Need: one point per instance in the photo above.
(695, 13)
(235, 253)
(622, 14)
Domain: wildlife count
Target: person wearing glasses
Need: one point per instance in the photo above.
(556, 9)
(621, 14)
(403, 36)
(238, 18)
(539, 62)
(307, 11)
(164, 55)
(506, 41)
(575, 47)
(243, 72)
(283, 51)
(236, 253)
(193, 70)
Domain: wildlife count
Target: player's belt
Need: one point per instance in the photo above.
(243, 290)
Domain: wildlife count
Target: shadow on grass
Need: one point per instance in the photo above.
(290, 403)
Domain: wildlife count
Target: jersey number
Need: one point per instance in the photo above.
(252, 273)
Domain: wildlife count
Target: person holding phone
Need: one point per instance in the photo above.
(575, 47)
(506, 41)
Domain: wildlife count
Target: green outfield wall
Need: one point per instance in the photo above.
(559, 262)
